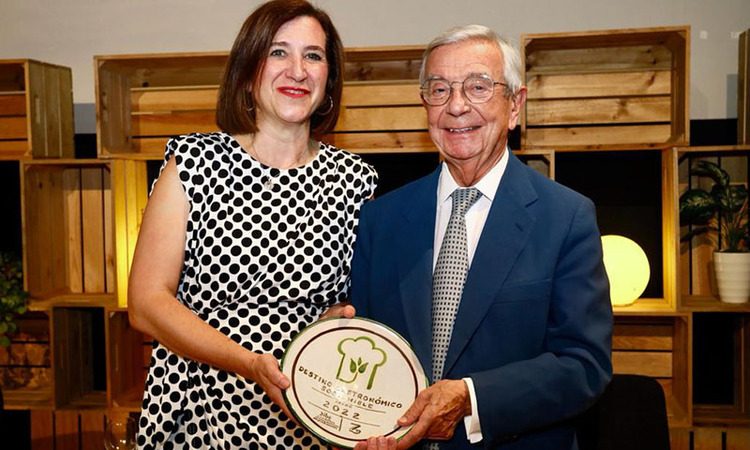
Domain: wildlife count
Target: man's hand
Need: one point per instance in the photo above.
(343, 310)
(436, 412)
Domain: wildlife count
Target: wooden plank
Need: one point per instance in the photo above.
(642, 337)
(52, 141)
(707, 439)
(599, 59)
(109, 232)
(45, 228)
(382, 70)
(146, 145)
(577, 137)
(598, 111)
(92, 430)
(174, 99)
(586, 85)
(130, 195)
(653, 364)
(743, 89)
(13, 127)
(382, 119)
(112, 110)
(72, 222)
(173, 124)
(66, 125)
(13, 104)
(383, 142)
(381, 94)
(171, 72)
(119, 209)
(92, 230)
(35, 94)
(679, 439)
(738, 439)
(42, 430)
(67, 433)
(15, 148)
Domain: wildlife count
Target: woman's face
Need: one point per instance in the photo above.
(293, 78)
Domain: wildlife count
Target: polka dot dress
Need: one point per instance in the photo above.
(266, 252)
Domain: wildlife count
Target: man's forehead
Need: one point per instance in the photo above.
(465, 58)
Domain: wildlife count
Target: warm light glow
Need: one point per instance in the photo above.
(627, 269)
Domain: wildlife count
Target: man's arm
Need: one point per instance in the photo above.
(576, 365)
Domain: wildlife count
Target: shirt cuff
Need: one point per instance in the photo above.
(473, 427)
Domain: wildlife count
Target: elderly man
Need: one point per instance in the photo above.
(491, 271)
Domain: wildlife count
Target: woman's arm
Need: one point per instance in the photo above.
(154, 309)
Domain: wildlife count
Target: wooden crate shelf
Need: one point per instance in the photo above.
(600, 96)
(732, 340)
(81, 220)
(36, 110)
(658, 346)
(606, 89)
(129, 354)
(698, 291)
(79, 357)
(26, 374)
(644, 212)
(142, 100)
(543, 161)
(68, 228)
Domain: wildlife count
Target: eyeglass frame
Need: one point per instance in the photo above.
(423, 87)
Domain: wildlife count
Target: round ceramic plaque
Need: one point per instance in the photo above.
(351, 379)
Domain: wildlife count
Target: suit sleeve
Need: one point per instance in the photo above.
(575, 366)
(360, 265)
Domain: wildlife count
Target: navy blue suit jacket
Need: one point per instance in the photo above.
(534, 326)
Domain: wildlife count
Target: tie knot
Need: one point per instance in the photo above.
(464, 198)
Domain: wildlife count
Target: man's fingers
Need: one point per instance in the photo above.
(415, 410)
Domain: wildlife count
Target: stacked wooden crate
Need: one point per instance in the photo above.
(36, 123)
(591, 95)
(607, 89)
(36, 110)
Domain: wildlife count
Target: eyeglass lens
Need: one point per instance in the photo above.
(476, 89)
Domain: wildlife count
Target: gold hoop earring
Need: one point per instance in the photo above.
(328, 109)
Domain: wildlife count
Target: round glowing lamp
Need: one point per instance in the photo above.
(627, 268)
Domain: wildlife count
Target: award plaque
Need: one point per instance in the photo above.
(351, 379)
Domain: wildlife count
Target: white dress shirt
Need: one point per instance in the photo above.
(476, 216)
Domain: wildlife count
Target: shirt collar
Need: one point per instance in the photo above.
(487, 185)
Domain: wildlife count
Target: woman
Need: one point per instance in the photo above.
(247, 239)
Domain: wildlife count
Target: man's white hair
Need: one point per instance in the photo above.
(511, 58)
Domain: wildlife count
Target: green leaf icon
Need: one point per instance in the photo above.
(352, 366)
(363, 367)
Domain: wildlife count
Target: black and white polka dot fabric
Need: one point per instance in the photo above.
(266, 252)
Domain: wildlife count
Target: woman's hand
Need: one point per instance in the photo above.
(343, 310)
(264, 370)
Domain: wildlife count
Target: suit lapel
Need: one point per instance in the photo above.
(415, 266)
(503, 237)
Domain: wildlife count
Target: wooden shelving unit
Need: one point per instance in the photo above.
(616, 100)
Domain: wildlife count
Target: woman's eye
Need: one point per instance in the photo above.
(315, 56)
(278, 52)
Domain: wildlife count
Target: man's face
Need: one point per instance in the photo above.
(468, 134)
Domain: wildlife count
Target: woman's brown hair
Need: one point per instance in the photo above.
(235, 112)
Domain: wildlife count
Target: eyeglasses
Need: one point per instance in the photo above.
(476, 88)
